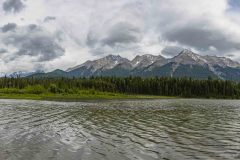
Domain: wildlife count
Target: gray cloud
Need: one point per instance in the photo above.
(42, 46)
(9, 27)
(91, 39)
(123, 33)
(171, 50)
(2, 50)
(201, 38)
(118, 37)
(49, 18)
(33, 27)
(230, 55)
(35, 43)
(13, 6)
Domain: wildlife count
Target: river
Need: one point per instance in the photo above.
(176, 129)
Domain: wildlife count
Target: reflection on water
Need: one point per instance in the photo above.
(120, 130)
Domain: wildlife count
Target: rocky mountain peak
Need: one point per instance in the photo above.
(188, 57)
(221, 61)
(107, 62)
(113, 57)
(188, 54)
(186, 63)
(145, 60)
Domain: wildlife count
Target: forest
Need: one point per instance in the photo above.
(158, 86)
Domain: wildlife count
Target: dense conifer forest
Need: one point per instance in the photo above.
(177, 87)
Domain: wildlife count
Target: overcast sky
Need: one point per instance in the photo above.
(50, 34)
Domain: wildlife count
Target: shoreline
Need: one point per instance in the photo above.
(78, 97)
(94, 97)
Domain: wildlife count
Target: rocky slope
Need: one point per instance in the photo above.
(185, 64)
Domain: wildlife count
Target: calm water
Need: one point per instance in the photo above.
(120, 130)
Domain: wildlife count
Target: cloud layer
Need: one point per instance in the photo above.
(32, 41)
(9, 27)
(13, 6)
(39, 34)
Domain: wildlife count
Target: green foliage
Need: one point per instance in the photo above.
(11, 91)
(163, 86)
(35, 89)
(53, 88)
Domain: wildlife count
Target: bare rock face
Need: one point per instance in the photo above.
(188, 57)
(104, 63)
(145, 60)
(221, 61)
(186, 63)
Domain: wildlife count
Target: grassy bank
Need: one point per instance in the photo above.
(81, 95)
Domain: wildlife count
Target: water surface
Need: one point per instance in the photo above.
(120, 130)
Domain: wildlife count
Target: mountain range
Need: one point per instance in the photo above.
(19, 74)
(185, 64)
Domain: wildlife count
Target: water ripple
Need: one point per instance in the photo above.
(119, 130)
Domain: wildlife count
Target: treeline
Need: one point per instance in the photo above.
(182, 87)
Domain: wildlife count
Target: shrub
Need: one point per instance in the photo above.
(11, 91)
(53, 88)
(36, 89)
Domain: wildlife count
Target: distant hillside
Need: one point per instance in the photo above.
(185, 64)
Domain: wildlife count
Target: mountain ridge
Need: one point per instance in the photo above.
(184, 64)
(20, 74)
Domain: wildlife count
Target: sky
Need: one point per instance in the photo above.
(50, 34)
